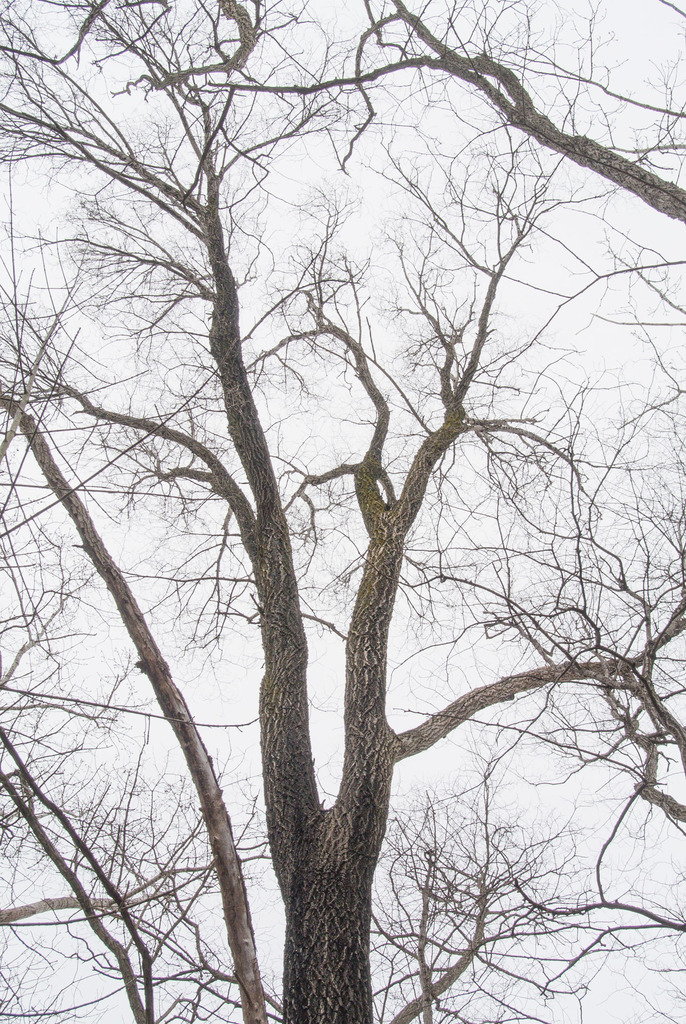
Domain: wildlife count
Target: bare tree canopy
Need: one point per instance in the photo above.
(344, 446)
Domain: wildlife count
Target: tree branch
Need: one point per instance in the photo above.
(49, 905)
(291, 792)
(441, 724)
(513, 101)
(142, 1014)
(221, 480)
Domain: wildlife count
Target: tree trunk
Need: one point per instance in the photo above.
(327, 976)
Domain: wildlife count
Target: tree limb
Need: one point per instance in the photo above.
(175, 709)
(221, 480)
(441, 724)
(512, 100)
(49, 905)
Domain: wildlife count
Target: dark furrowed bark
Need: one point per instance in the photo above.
(327, 976)
(290, 787)
(324, 861)
(369, 742)
(329, 915)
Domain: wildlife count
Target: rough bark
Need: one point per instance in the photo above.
(326, 967)
(440, 725)
(324, 861)
(291, 798)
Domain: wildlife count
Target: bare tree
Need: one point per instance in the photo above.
(198, 362)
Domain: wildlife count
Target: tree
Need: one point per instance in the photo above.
(443, 481)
